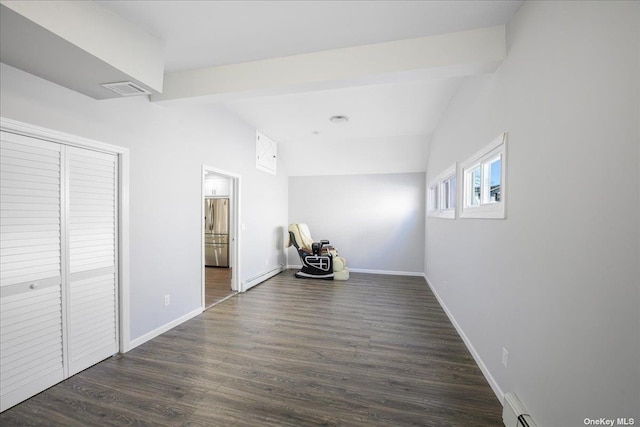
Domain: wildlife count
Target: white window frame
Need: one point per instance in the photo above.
(482, 160)
(436, 196)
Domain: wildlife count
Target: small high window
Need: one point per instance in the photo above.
(484, 181)
(441, 197)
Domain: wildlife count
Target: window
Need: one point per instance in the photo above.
(441, 198)
(433, 197)
(449, 192)
(484, 182)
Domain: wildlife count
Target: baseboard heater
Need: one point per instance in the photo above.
(514, 413)
(262, 277)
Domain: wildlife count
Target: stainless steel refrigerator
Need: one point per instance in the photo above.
(216, 232)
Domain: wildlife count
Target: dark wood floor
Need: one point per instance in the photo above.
(371, 351)
(217, 284)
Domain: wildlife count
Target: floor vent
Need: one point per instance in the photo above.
(514, 413)
(126, 89)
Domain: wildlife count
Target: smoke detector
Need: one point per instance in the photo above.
(126, 89)
(339, 119)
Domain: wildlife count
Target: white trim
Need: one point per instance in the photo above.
(495, 210)
(123, 253)
(14, 126)
(467, 342)
(368, 271)
(65, 284)
(438, 183)
(386, 272)
(256, 280)
(164, 328)
(237, 229)
(33, 131)
(234, 264)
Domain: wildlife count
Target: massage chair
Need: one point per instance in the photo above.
(319, 259)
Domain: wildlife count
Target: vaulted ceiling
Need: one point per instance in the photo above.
(285, 67)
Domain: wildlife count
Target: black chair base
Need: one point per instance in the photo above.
(302, 275)
(314, 265)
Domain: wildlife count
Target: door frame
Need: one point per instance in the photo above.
(122, 262)
(234, 227)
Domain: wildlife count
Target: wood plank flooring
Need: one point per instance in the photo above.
(217, 284)
(371, 351)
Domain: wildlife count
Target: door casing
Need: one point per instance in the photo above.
(33, 131)
(234, 227)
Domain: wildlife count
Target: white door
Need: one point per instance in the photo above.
(92, 291)
(31, 302)
(58, 302)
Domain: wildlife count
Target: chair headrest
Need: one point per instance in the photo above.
(301, 234)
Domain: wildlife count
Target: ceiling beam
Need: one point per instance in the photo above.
(448, 55)
(75, 43)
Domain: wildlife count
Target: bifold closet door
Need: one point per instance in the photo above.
(31, 292)
(92, 224)
(58, 263)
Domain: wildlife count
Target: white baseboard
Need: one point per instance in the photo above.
(485, 371)
(364, 270)
(162, 329)
(387, 272)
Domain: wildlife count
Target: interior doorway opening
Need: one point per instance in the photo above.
(220, 196)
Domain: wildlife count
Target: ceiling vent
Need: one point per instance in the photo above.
(126, 89)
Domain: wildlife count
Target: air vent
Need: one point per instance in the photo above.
(126, 89)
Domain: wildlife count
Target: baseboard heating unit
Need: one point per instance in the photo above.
(247, 284)
(514, 413)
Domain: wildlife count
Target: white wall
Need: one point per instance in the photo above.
(167, 150)
(374, 155)
(375, 221)
(557, 282)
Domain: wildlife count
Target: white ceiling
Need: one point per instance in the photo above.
(395, 109)
(199, 34)
(301, 61)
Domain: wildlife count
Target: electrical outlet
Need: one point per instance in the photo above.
(505, 357)
(167, 300)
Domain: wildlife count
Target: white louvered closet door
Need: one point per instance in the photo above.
(31, 292)
(92, 223)
(58, 270)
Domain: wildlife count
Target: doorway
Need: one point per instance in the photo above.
(220, 196)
